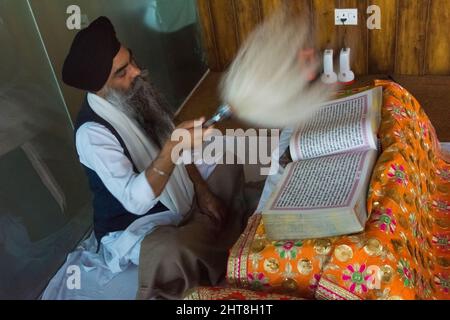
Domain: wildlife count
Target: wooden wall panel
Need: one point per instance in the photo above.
(355, 37)
(411, 32)
(302, 7)
(269, 6)
(438, 41)
(248, 16)
(381, 54)
(413, 38)
(208, 34)
(323, 19)
(224, 19)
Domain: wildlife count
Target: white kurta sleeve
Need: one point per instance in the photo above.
(100, 151)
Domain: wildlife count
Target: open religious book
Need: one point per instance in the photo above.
(323, 192)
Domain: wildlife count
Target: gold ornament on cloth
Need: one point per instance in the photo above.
(304, 266)
(322, 246)
(258, 245)
(343, 253)
(373, 247)
(271, 265)
(289, 284)
(386, 273)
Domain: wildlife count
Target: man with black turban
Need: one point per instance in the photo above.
(147, 210)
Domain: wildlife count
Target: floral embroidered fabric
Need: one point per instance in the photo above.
(218, 293)
(404, 252)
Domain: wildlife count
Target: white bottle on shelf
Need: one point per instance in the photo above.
(346, 76)
(328, 76)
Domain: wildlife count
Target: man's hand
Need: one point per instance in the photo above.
(208, 202)
(212, 206)
(195, 140)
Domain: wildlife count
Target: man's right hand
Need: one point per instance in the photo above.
(192, 132)
(191, 135)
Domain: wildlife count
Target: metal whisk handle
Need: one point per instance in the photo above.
(224, 112)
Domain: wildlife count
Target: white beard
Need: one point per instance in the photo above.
(143, 103)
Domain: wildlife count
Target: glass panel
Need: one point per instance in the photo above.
(45, 203)
(44, 198)
(164, 36)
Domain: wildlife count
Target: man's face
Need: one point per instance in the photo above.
(123, 72)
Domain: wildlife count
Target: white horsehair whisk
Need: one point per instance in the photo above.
(266, 85)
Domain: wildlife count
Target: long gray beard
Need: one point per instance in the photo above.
(144, 103)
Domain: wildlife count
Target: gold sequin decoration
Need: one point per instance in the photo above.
(410, 143)
(391, 193)
(404, 154)
(429, 223)
(322, 246)
(410, 248)
(304, 266)
(403, 222)
(444, 224)
(415, 179)
(422, 259)
(397, 244)
(258, 245)
(289, 284)
(430, 264)
(408, 199)
(418, 206)
(394, 298)
(443, 262)
(375, 205)
(373, 247)
(433, 187)
(429, 244)
(271, 265)
(430, 155)
(443, 189)
(424, 145)
(432, 174)
(427, 183)
(386, 273)
(387, 141)
(343, 253)
(386, 157)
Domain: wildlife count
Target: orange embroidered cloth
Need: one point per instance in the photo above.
(218, 293)
(404, 252)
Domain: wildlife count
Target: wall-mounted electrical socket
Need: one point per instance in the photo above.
(350, 16)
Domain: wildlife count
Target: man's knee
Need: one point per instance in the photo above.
(166, 267)
(160, 242)
(159, 249)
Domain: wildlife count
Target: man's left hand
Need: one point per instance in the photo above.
(212, 206)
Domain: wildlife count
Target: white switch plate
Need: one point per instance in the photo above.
(350, 14)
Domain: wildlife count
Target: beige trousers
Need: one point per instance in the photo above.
(175, 259)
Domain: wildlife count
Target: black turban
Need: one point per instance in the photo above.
(90, 59)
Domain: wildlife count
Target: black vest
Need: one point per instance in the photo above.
(109, 213)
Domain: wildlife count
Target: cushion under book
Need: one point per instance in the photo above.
(323, 192)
